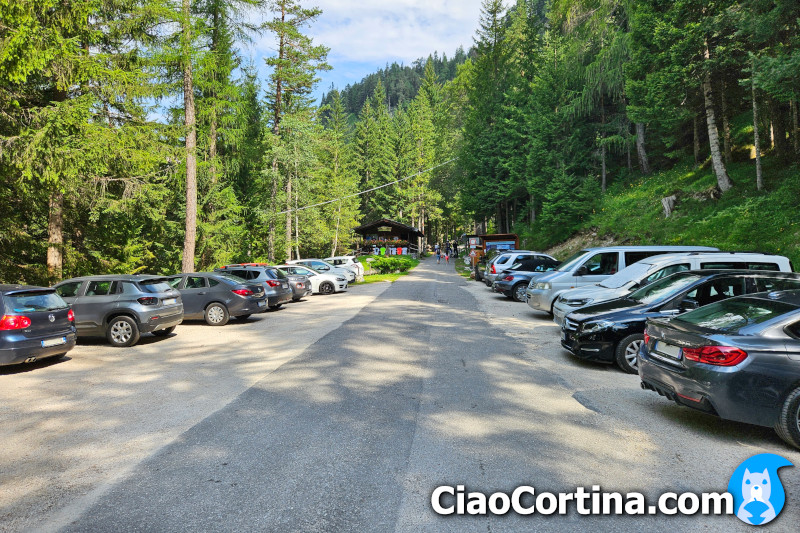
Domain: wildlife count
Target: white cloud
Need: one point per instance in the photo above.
(385, 31)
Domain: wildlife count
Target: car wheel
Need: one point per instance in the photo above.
(122, 331)
(627, 352)
(327, 288)
(518, 292)
(217, 314)
(276, 306)
(242, 317)
(788, 426)
(164, 332)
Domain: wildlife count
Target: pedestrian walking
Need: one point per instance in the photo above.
(438, 255)
(447, 257)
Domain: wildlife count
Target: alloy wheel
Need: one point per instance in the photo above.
(216, 314)
(121, 332)
(631, 352)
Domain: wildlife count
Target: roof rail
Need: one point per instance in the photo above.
(732, 253)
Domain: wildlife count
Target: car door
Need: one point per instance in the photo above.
(597, 268)
(93, 305)
(194, 295)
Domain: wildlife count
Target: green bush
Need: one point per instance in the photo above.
(388, 264)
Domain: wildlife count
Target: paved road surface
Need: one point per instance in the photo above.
(434, 381)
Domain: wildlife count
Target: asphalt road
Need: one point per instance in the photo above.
(430, 381)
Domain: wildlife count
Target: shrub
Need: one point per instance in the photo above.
(386, 265)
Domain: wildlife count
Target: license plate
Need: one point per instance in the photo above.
(673, 352)
(169, 301)
(564, 336)
(54, 342)
(285, 285)
(262, 303)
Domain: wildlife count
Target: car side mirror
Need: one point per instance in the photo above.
(689, 304)
(582, 271)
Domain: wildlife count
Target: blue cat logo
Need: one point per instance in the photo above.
(758, 494)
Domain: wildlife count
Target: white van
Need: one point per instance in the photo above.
(591, 266)
(654, 268)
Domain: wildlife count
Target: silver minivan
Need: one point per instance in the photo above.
(654, 268)
(591, 266)
(505, 261)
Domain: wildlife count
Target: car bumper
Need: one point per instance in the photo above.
(539, 299)
(503, 287)
(250, 306)
(30, 350)
(732, 393)
(588, 347)
(281, 298)
(162, 319)
(560, 311)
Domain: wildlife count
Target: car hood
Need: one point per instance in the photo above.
(595, 292)
(614, 310)
(547, 276)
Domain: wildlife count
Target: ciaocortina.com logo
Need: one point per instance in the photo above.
(758, 494)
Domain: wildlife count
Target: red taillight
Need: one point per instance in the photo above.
(70, 316)
(646, 336)
(508, 278)
(14, 322)
(273, 283)
(147, 300)
(242, 292)
(715, 355)
(493, 270)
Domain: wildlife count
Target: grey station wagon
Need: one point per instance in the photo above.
(122, 307)
(215, 297)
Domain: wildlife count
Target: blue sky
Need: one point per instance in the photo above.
(365, 36)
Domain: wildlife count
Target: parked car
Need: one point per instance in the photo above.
(506, 260)
(275, 283)
(301, 286)
(613, 331)
(738, 359)
(591, 266)
(215, 297)
(320, 283)
(347, 261)
(36, 324)
(323, 267)
(514, 281)
(656, 267)
(122, 307)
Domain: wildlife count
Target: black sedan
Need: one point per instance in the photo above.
(36, 323)
(513, 281)
(215, 297)
(613, 331)
(738, 359)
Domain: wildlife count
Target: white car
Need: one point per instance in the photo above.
(323, 267)
(347, 261)
(320, 283)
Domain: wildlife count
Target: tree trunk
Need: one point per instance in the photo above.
(756, 140)
(723, 181)
(779, 114)
(641, 151)
(696, 124)
(277, 111)
(296, 227)
(191, 146)
(273, 211)
(336, 234)
(726, 127)
(289, 218)
(55, 236)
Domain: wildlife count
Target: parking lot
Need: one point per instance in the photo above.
(343, 414)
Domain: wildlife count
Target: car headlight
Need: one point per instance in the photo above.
(542, 286)
(339, 279)
(578, 302)
(594, 327)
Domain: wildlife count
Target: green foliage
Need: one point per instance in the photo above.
(394, 263)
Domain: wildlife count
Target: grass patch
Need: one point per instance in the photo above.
(375, 278)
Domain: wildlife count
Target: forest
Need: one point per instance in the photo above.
(135, 137)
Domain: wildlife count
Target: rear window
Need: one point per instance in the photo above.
(736, 313)
(635, 257)
(157, 285)
(30, 302)
(763, 266)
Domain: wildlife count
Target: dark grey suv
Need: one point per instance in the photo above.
(122, 307)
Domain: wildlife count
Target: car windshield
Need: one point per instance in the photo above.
(230, 278)
(567, 265)
(736, 313)
(30, 302)
(634, 272)
(664, 288)
(154, 285)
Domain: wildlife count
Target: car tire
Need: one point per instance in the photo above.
(164, 332)
(242, 317)
(122, 331)
(326, 287)
(627, 351)
(518, 292)
(788, 426)
(216, 314)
